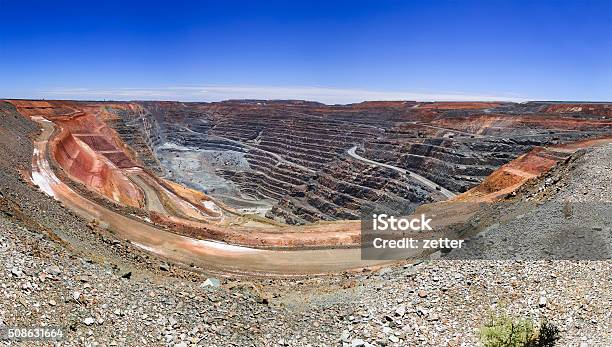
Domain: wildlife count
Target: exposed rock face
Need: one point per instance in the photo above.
(87, 149)
(75, 154)
(596, 109)
(290, 158)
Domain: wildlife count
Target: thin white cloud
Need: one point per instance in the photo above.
(218, 93)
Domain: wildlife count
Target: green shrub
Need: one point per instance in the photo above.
(505, 331)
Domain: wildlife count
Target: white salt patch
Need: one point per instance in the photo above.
(146, 248)
(211, 206)
(223, 246)
(42, 183)
(176, 147)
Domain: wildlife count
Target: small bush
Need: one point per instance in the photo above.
(505, 331)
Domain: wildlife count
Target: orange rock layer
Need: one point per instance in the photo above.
(595, 109)
(86, 148)
(95, 171)
(457, 105)
(488, 124)
(511, 176)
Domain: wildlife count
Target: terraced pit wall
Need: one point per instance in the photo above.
(289, 158)
(84, 165)
(329, 185)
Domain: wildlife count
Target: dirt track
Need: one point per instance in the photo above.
(447, 193)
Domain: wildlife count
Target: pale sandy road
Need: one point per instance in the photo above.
(210, 255)
(152, 199)
(416, 176)
(452, 130)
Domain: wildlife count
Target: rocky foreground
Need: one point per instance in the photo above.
(57, 270)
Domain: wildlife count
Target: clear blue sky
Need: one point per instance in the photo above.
(333, 51)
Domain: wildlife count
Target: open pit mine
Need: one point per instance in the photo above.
(279, 187)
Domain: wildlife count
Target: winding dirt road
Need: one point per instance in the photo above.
(210, 255)
(447, 193)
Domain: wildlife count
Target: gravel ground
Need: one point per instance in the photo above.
(57, 270)
(565, 215)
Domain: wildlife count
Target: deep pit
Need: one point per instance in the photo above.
(296, 174)
(290, 161)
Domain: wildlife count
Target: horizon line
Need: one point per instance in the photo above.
(216, 93)
(315, 101)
